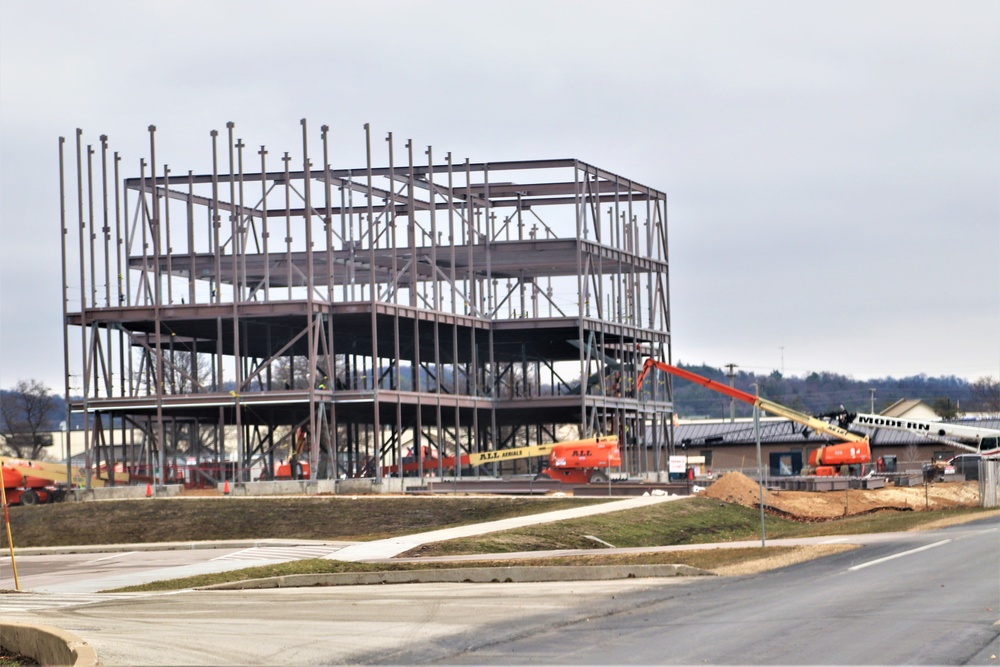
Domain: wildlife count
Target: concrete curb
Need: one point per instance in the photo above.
(476, 575)
(47, 645)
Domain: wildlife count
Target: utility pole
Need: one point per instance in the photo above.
(732, 403)
(872, 390)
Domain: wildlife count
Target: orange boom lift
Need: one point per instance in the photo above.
(853, 449)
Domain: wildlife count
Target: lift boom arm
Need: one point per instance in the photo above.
(984, 441)
(773, 408)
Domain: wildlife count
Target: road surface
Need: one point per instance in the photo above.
(919, 598)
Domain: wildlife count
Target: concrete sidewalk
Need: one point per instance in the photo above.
(393, 546)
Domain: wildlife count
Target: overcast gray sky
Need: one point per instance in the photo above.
(833, 168)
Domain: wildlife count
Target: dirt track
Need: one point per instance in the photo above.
(738, 488)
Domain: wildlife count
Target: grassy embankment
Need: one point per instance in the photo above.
(348, 518)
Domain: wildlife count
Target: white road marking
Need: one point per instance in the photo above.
(279, 553)
(118, 555)
(835, 540)
(25, 602)
(899, 555)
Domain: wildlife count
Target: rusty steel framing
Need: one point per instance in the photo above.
(409, 308)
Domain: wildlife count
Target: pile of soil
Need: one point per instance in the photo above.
(735, 487)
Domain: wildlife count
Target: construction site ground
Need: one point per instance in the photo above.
(735, 487)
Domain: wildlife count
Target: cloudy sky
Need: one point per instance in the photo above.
(833, 168)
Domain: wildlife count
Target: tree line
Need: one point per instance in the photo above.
(820, 393)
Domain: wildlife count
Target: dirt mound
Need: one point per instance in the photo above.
(735, 487)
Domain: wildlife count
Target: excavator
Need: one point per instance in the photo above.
(832, 459)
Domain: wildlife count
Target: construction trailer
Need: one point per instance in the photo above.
(408, 304)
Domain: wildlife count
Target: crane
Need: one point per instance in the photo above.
(983, 441)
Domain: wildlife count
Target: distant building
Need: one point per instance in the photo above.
(911, 408)
(731, 445)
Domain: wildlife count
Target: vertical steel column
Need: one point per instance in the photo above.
(669, 329)
(452, 240)
(83, 311)
(235, 248)
(392, 296)
(192, 295)
(475, 446)
(92, 234)
(330, 365)
(580, 282)
(106, 230)
(157, 300)
(265, 231)
(436, 286)
(288, 232)
(415, 368)
(373, 296)
(166, 232)
(63, 234)
(120, 288)
(392, 285)
(411, 227)
(491, 380)
(311, 319)
(435, 306)
(242, 226)
(328, 219)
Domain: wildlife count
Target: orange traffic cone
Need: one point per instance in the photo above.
(149, 490)
(225, 488)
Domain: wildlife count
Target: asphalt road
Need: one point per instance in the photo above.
(925, 599)
(918, 598)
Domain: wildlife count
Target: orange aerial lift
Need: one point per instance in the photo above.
(583, 461)
(25, 483)
(29, 482)
(851, 449)
(570, 462)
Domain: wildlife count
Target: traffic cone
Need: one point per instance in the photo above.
(149, 490)
(225, 488)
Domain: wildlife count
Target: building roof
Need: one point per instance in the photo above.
(910, 407)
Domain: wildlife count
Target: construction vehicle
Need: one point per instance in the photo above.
(982, 441)
(289, 470)
(570, 462)
(832, 459)
(24, 483)
(583, 461)
(31, 482)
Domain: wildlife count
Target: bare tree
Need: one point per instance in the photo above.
(987, 393)
(185, 372)
(26, 412)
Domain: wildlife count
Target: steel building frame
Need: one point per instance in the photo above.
(404, 310)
